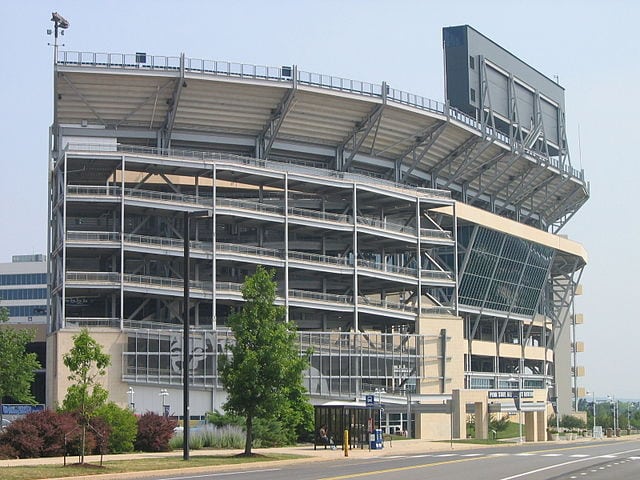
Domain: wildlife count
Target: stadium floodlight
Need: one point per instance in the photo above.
(59, 20)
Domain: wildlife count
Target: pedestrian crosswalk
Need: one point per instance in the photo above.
(506, 454)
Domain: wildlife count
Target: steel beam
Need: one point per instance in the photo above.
(167, 129)
(271, 129)
(359, 134)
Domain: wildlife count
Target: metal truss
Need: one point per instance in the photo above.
(167, 128)
(272, 128)
(359, 134)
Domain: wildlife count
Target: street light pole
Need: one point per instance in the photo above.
(593, 434)
(132, 404)
(164, 393)
(185, 335)
(380, 391)
(518, 405)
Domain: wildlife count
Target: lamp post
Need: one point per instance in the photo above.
(613, 402)
(185, 335)
(380, 391)
(132, 404)
(165, 410)
(593, 433)
(517, 401)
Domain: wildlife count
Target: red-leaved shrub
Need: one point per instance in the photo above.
(154, 432)
(43, 434)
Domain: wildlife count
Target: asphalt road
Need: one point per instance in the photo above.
(618, 460)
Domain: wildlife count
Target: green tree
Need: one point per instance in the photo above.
(264, 373)
(17, 366)
(87, 363)
(124, 427)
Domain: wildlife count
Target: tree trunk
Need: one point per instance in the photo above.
(84, 439)
(248, 441)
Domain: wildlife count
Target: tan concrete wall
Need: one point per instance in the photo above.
(479, 347)
(60, 342)
(433, 426)
(455, 350)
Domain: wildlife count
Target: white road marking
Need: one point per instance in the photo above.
(552, 455)
(446, 455)
(579, 455)
(223, 474)
(525, 454)
(472, 455)
(530, 472)
(607, 456)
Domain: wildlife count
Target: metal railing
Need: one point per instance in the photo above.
(301, 167)
(284, 74)
(432, 233)
(320, 215)
(387, 226)
(246, 205)
(385, 267)
(206, 247)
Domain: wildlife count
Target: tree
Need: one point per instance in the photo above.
(123, 424)
(17, 366)
(87, 362)
(264, 372)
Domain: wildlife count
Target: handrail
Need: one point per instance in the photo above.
(284, 74)
(115, 191)
(206, 247)
(385, 267)
(238, 160)
(384, 225)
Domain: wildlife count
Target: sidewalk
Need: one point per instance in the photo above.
(399, 447)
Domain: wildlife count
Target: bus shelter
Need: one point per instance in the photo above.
(358, 419)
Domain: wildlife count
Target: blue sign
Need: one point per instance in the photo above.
(370, 401)
(20, 409)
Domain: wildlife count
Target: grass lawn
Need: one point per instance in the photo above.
(512, 431)
(120, 466)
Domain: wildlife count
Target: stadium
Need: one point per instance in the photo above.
(415, 243)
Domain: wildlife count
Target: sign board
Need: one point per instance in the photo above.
(20, 409)
(505, 394)
(370, 400)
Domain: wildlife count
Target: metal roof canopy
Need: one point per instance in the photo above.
(420, 145)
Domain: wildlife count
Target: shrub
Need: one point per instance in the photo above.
(154, 432)
(500, 424)
(229, 436)
(39, 434)
(223, 419)
(123, 425)
(269, 433)
(571, 422)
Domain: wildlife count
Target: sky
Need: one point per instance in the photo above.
(590, 46)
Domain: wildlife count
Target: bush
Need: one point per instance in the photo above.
(571, 422)
(229, 436)
(499, 424)
(224, 419)
(266, 432)
(123, 425)
(154, 432)
(39, 434)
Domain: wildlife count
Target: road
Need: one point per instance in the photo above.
(595, 460)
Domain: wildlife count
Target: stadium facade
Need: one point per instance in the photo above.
(415, 244)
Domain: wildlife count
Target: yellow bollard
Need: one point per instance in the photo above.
(345, 443)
